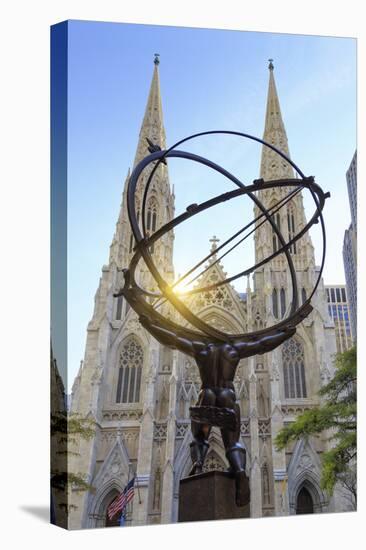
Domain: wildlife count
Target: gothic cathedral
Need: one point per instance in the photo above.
(138, 392)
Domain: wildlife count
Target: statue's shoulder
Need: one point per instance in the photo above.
(228, 352)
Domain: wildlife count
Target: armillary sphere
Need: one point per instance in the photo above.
(142, 300)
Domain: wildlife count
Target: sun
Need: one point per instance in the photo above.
(182, 288)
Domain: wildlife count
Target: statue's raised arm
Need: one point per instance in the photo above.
(168, 337)
(264, 344)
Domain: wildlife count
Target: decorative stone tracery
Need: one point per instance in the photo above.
(294, 369)
(219, 296)
(213, 462)
(130, 370)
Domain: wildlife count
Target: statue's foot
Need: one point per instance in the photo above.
(242, 494)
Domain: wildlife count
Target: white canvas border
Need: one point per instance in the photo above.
(25, 265)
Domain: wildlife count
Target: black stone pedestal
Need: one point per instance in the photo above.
(210, 495)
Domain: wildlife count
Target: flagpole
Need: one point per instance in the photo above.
(137, 485)
(122, 518)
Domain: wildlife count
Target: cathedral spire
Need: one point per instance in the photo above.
(160, 201)
(152, 128)
(272, 165)
(291, 218)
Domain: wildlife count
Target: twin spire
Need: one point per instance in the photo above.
(272, 165)
(152, 128)
(152, 134)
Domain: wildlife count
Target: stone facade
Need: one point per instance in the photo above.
(139, 392)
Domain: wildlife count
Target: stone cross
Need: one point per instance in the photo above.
(214, 242)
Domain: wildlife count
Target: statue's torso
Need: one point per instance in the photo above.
(217, 365)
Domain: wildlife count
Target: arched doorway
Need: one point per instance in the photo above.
(115, 520)
(304, 502)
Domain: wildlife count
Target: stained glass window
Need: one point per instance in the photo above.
(151, 219)
(277, 220)
(283, 302)
(129, 374)
(291, 229)
(266, 495)
(275, 303)
(293, 369)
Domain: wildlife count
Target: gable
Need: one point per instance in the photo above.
(220, 307)
(116, 465)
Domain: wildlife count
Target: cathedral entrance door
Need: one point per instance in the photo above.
(304, 503)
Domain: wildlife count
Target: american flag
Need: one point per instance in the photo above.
(120, 502)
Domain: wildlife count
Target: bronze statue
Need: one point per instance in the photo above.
(217, 405)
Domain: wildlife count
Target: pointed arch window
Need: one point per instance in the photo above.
(122, 308)
(294, 369)
(291, 228)
(303, 295)
(275, 303)
(283, 301)
(129, 373)
(151, 219)
(151, 216)
(119, 308)
(275, 241)
(278, 303)
(266, 494)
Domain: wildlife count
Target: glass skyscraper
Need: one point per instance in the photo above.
(339, 312)
(350, 246)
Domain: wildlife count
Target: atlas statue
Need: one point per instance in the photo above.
(216, 353)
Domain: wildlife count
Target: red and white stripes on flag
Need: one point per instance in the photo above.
(121, 501)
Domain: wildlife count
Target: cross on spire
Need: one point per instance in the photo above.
(156, 58)
(272, 167)
(152, 129)
(214, 240)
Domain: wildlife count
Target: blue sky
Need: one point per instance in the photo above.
(210, 79)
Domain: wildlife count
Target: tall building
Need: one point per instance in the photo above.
(339, 311)
(350, 246)
(351, 176)
(139, 392)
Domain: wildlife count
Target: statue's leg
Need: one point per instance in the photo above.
(200, 432)
(235, 451)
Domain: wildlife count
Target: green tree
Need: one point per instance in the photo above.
(338, 414)
(66, 428)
